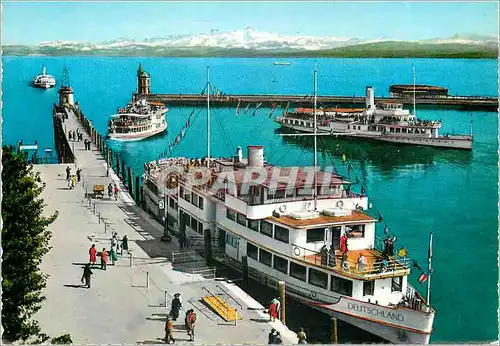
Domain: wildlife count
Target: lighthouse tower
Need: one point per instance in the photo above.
(66, 91)
(143, 81)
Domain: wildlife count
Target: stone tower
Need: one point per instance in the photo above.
(143, 81)
(66, 91)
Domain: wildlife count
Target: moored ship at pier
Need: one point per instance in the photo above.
(299, 225)
(387, 122)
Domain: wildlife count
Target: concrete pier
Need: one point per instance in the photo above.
(126, 302)
(462, 102)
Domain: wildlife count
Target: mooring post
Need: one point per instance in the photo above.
(108, 161)
(117, 164)
(124, 177)
(94, 208)
(99, 217)
(137, 193)
(334, 331)
(130, 180)
(281, 287)
(235, 316)
(105, 227)
(147, 279)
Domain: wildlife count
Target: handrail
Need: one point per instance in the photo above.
(223, 290)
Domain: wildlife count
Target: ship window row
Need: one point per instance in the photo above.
(173, 204)
(266, 228)
(191, 197)
(192, 222)
(152, 187)
(316, 277)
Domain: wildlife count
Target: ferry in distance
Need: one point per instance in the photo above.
(44, 80)
(282, 63)
(138, 120)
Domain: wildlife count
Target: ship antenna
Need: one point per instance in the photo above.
(429, 271)
(414, 92)
(208, 116)
(315, 139)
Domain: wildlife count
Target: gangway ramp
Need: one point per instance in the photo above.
(221, 306)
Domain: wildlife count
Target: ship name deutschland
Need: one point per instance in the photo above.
(375, 312)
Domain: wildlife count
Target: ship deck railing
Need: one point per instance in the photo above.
(377, 265)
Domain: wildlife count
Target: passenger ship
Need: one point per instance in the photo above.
(387, 122)
(44, 80)
(278, 224)
(139, 120)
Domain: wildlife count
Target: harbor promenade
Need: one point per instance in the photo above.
(126, 302)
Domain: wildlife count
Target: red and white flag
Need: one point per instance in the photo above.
(422, 278)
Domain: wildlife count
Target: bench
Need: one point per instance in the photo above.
(98, 191)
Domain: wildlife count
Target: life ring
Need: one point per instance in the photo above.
(340, 204)
(313, 295)
(296, 251)
(345, 265)
(282, 208)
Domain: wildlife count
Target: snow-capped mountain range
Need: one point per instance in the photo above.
(251, 39)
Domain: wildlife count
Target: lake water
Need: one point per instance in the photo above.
(451, 193)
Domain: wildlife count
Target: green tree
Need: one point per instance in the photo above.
(25, 240)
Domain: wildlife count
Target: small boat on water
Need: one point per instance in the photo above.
(282, 63)
(44, 80)
(138, 120)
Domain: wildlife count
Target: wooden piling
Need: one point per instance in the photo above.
(281, 289)
(137, 193)
(108, 161)
(130, 180)
(124, 173)
(117, 165)
(334, 331)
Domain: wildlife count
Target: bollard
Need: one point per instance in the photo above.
(105, 227)
(147, 279)
(94, 207)
(235, 317)
(90, 201)
(130, 256)
(166, 300)
(99, 217)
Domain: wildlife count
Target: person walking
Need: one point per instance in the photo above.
(272, 337)
(92, 254)
(104, 259)
(68, 172)
(176, 307)
(343, 243)
(87, 272)
(273, 312)
(169, 327)
(191, 321)
(116, 192)
(124, 244)
(302, 336)
(78, 174)
(110, 190)
(112, 254)
(73, 181)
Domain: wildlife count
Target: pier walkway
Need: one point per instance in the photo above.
(123, 306)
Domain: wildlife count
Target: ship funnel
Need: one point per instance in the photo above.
(255, 156)
(370, 98)
(43, 70)
(239, 153)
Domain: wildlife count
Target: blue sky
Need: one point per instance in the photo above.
(26, 22)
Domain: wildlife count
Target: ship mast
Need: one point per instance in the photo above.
(208, 116)
(429, 271)
(315, 193)
(414, 91)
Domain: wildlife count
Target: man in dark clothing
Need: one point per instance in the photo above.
(176, 307)
(68, 172)
(87, 272)
(78, 174)
(271, 336)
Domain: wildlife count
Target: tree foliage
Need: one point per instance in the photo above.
(25, 240)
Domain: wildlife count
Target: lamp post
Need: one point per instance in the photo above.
(166, 237)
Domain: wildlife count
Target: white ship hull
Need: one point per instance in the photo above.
(399, 325)
(44, 85)
(137, 136)
(455, 142)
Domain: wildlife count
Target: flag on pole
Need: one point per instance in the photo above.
(402, 252)
(422, 278)
(380, 218)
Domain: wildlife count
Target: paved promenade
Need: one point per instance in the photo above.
(119, 308)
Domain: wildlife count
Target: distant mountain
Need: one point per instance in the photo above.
(251, 43)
